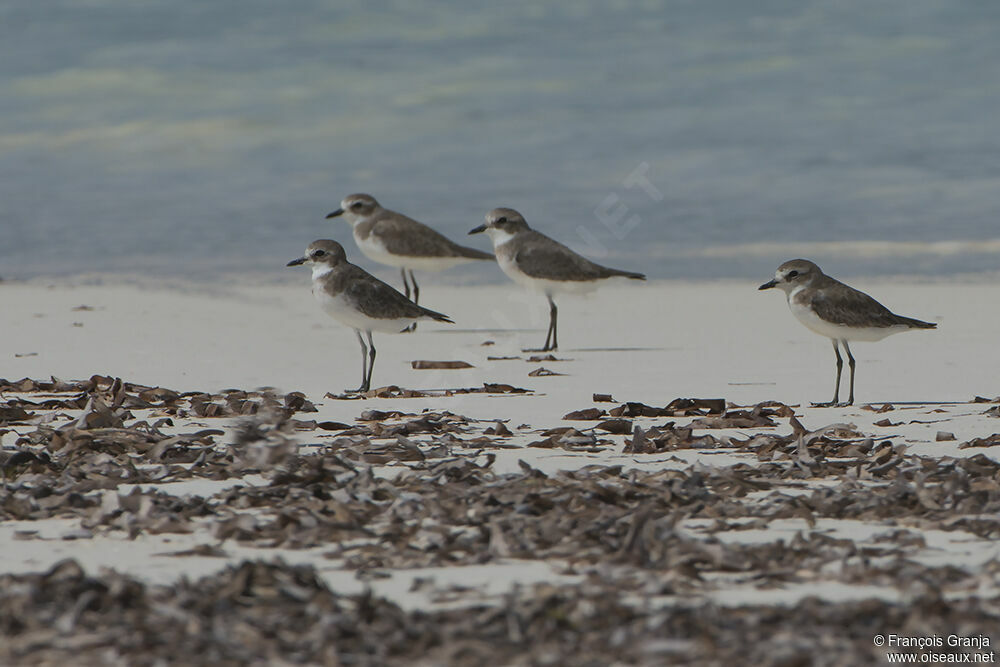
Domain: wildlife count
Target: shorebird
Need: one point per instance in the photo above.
(393, 239)
(841, 313)
(359, 300)
(539, 263)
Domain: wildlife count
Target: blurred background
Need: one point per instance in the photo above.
(195, 138)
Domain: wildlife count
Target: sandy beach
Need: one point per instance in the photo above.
(651, 341)
(916, 417)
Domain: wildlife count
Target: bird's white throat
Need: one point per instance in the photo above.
(320, 270)
(499, 236)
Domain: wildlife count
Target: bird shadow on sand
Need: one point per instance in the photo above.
(888, 406)
(394, 391)
(617, 349)
(452, 330)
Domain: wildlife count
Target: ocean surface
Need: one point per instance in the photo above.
(682, 138)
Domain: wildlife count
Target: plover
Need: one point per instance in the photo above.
(539, 263)
(841, 313)
(357, 299)
(393, 239)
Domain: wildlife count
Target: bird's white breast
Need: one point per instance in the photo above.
(809, 319)
(546, 286)
(340, 308)
(374, 249)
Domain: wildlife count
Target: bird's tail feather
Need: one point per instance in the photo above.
(472, 253)
(434, 315)
(917, 324)
(628, 274)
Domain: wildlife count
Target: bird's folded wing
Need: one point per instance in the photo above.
(380, 301)
(405, 236)
(851, 308)
(554, 261)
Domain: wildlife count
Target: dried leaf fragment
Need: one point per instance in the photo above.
(424, 364)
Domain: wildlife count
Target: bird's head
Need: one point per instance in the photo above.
(792, 274)
(356, 208)
(501, 225)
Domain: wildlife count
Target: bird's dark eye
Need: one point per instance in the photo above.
(357, 204)
(319, 253)
(792, 274)
(501, 221)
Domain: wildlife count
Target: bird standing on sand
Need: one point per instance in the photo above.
(357, 299)
(841, 313)
(393, 239)
(539, 263)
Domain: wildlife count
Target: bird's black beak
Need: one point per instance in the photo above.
(296, 262)
(768, 285)
(478, 230)
(336, 213)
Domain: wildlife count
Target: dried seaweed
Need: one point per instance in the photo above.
(394, 489)
(448, 365)
(258, 612)
(988, 441)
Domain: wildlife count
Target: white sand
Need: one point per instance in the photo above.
(649, 343)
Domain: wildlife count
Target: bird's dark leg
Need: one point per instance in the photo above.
(836, 389)
(551, 335)
(416, 298)
(371, 361)
(553, 312)
(364, 363)
(406, 285)
(850, 362)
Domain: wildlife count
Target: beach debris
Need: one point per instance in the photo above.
(495, 388)
(668, 437)
(639, 444)
(542, 372)
(10, 414)
(586, 414)
(988, 441)
(603, 398)
(333, 426)
(397, 489)
(620, 426)
(393, 391)
(634, 409)
(268, 610)
(443, 365)
(539, 358)
(499, 429)
(680, 407)
(758, 417)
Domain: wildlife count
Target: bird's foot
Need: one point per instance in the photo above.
(833, 404)
(410, 329)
